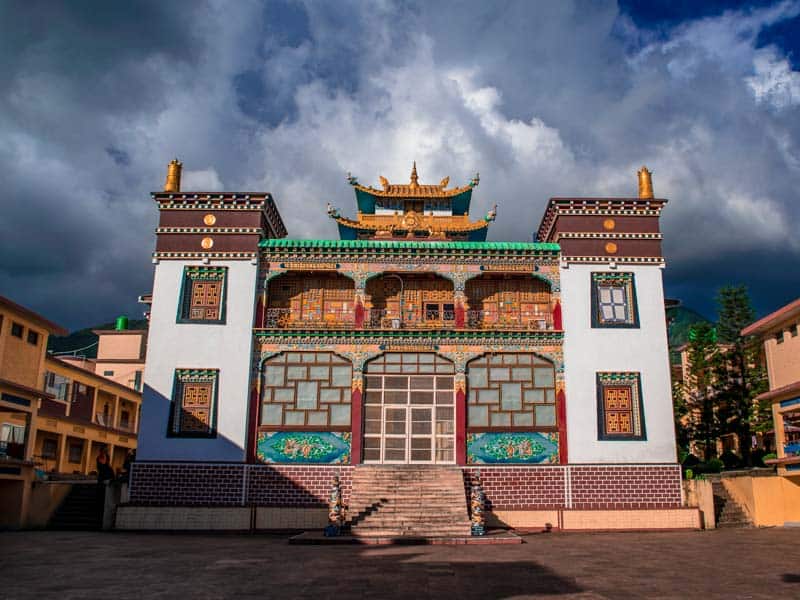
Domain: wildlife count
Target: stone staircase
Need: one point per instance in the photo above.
(80, 510)
(727, 512)
(408, 501)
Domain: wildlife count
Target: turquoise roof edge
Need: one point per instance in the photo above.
(344, 244)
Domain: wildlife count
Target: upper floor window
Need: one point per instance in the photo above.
(779, 337)
(57, 385)
(614, 300)
(17, 329)
(619, 407)
(33, 337)
(203, 295)
(194, 403)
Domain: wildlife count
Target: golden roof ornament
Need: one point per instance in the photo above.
(414, 179)
(173, 182)
(645, 183)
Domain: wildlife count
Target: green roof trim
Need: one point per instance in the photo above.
(380, 244)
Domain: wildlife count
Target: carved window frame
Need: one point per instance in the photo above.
(185, 380)
(198, 275)
(612, 388)
(624, 282)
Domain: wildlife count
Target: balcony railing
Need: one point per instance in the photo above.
(282, 318)
(481, 319)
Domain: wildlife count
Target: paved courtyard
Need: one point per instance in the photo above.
(761, 563)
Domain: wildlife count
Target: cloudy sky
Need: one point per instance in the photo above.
(545, 99)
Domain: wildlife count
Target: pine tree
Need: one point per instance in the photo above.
(702, 421)
(739, 375)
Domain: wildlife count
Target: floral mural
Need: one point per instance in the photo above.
(525, 447)
(304, 447)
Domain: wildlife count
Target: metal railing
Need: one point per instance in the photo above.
(282, 318)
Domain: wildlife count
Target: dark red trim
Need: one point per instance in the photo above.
(355, 418)
(561, 418)
(461, 427)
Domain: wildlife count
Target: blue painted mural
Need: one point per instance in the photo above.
(509, 448)
(304, 447)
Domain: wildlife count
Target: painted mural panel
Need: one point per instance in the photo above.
(303, 447)
(510, 448)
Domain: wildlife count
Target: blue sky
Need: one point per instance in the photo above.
(543, 98)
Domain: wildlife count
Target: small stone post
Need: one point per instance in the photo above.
(335, 508)
(476, 504)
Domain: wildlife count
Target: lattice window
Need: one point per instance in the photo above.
(203, 295)
(319, 298)
(614, 300)
(302, 390)
(511, 391)
(619, 407)
(194, 403)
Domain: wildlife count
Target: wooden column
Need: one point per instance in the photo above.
(62, 453)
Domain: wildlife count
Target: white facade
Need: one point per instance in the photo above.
(227, 347)
(588, 351)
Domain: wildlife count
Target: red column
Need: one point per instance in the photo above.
(561, 416)
(252, 430)
(355, 420)
(359, 314)
(461, 425)
(260, 312)
(557, 323)
(459, 315)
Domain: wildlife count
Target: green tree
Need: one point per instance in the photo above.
(702, 424)
(739, 374)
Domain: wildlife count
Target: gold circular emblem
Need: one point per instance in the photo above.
(209, 219)
(207, 243)
(609, 224)
(611, 248)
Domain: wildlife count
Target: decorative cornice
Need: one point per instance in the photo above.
(608, 235)
(202, 255)
(597, 207)
(218, 230)
(414, 189)
(620, 260)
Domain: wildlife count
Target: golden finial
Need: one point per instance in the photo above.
(645, 183)
(414, 178)
(173, 183)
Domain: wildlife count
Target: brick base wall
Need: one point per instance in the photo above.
(579, 487)
(615, 487)
(203, 484)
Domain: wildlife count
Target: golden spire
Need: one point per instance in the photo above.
(645, 183)
(173, 183)
(414, 178)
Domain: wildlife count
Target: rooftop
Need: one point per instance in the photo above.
(32, 316)
(775, 319)
(414, 189)
(378, 244)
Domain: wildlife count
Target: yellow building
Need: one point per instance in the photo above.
(779, 332)
(23, 344)
(84, 412)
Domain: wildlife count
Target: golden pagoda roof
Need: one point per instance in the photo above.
(436, 225)
(414, 189)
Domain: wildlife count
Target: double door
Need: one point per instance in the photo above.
(409, 434)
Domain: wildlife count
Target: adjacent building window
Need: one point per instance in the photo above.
(619, 407)
(124, 419)
(75, 453)
(108, 373)
(203, 295)
(194, 403)
(137, 381)
(57, 385)
(33, 337)
(306, 389)
(614, 300)
(17, 329)
(49, 448)
(779, 337)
